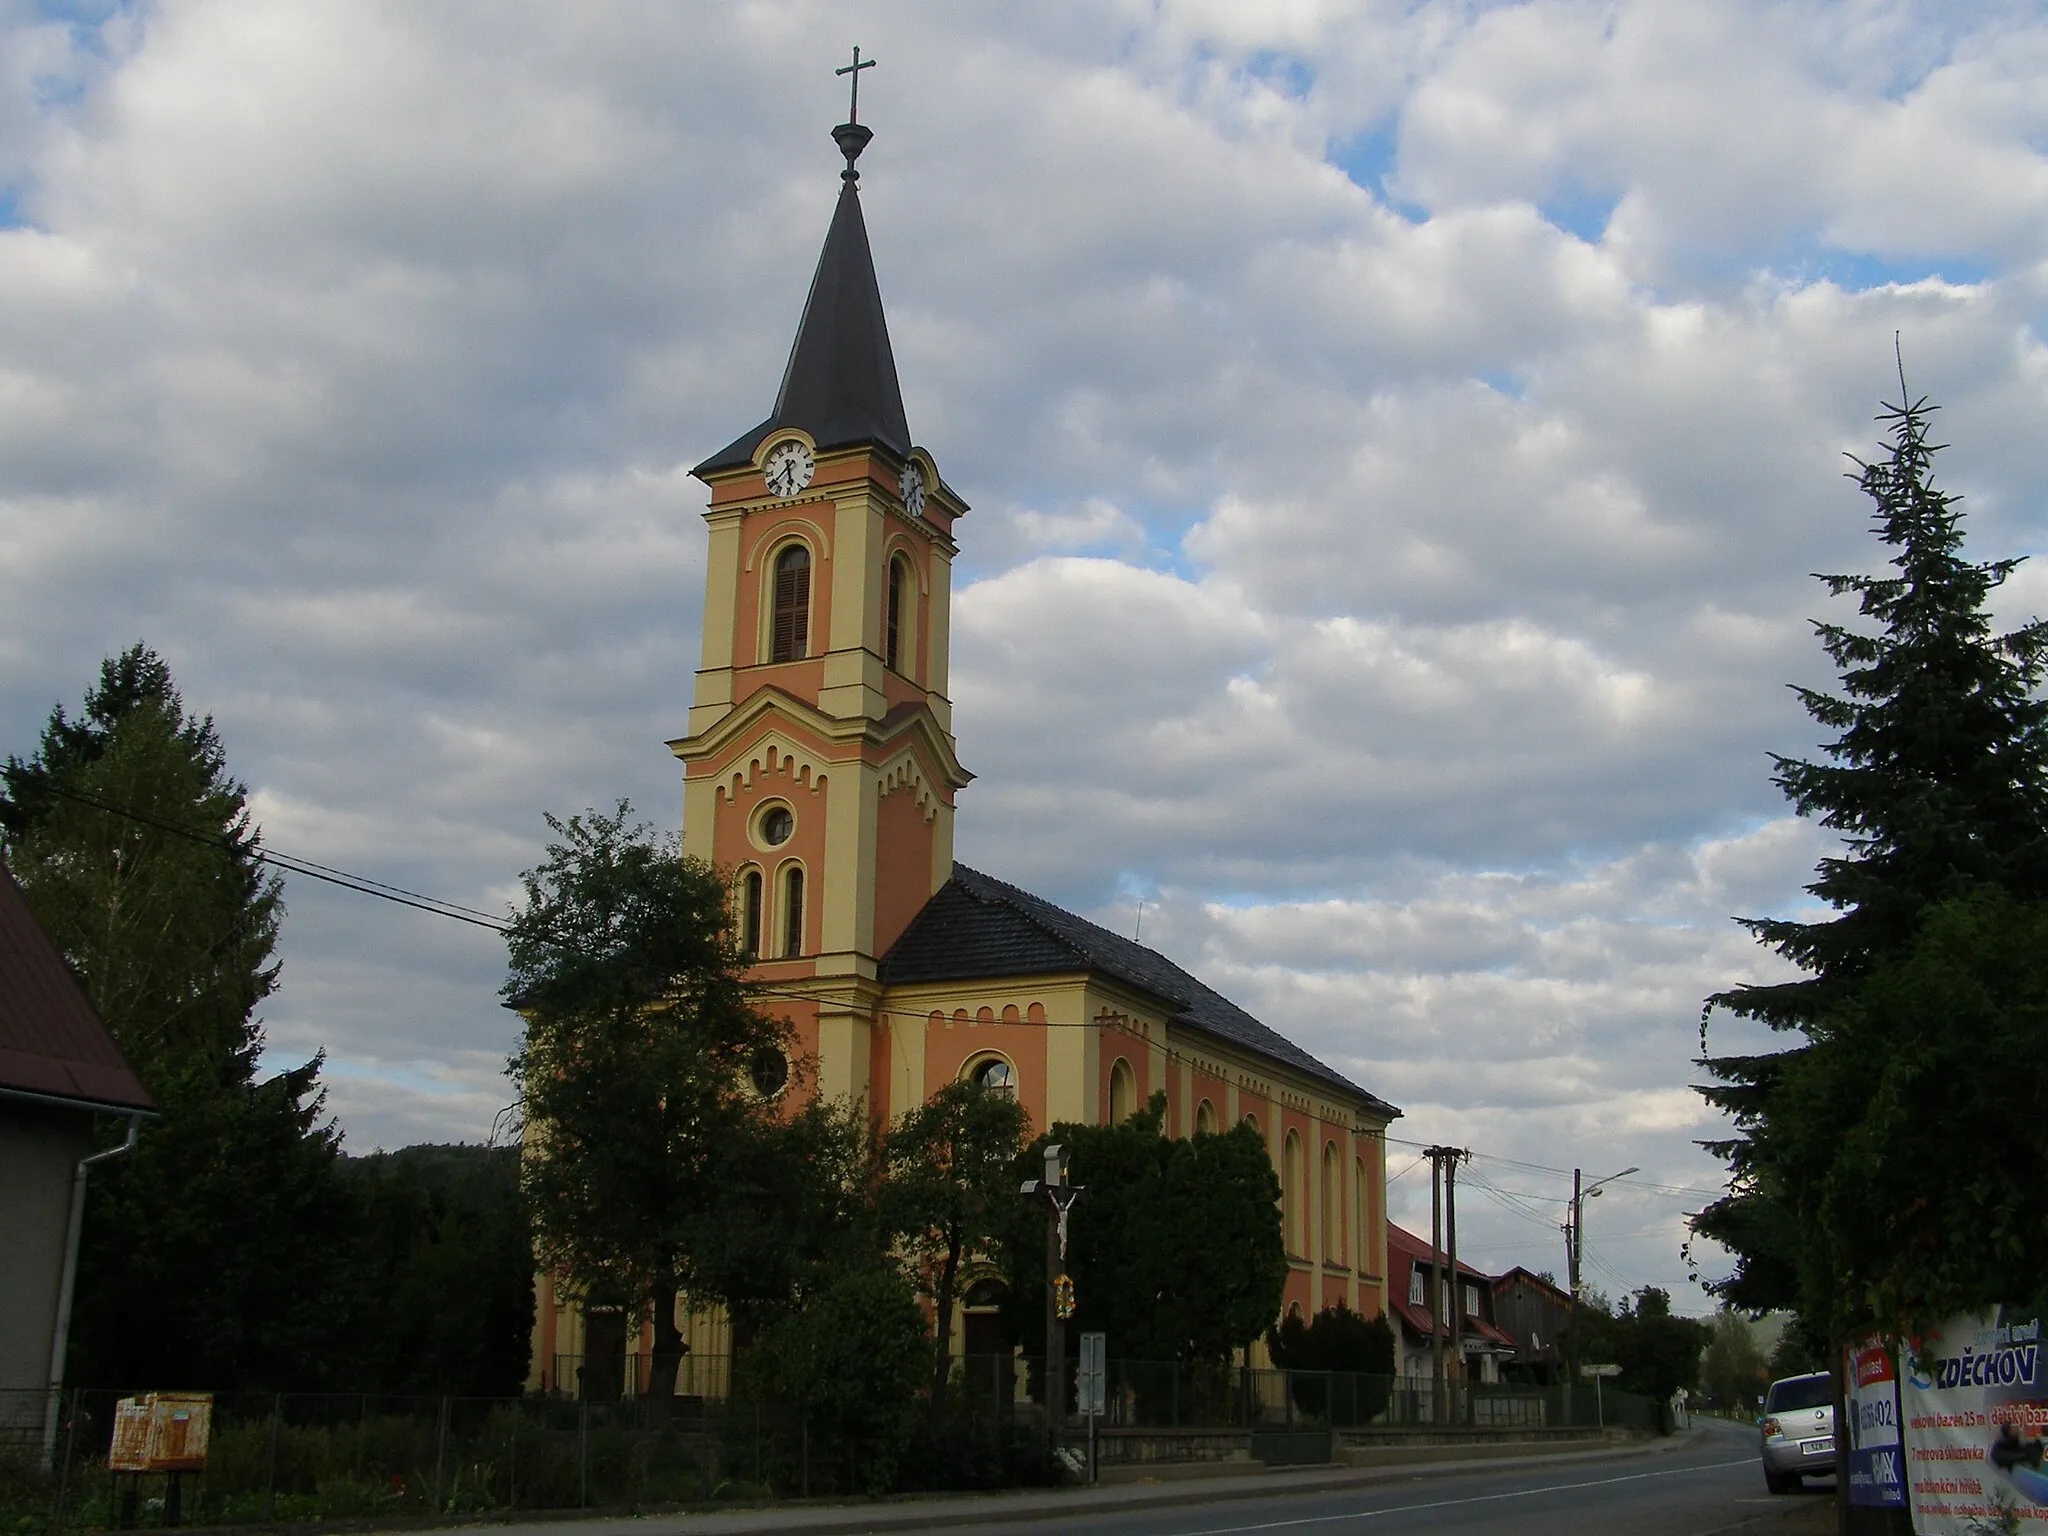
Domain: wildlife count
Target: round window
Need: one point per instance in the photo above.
(776, 825)
(995, 1076)
(769, 1070)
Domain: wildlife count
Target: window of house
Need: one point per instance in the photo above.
(750, 913)
(793, 912)
(1333, 1205)
(1471, 1300)
(1123, 1092)
(1292, 1177)
(994, 1076)
(776, 825)
(1415, 1291)
(769, 1070)
(893, 619)
(791, 638)
(1205, 1119)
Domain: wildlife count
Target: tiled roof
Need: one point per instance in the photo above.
(1404, 1248)
(977, 926)
(51, 1041)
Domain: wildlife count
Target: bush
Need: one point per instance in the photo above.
(837, 1382)
(1337, 1340)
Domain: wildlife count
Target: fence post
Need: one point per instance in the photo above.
(441, 1456)
(512, 1458)
(270, 1459)
(583, 1453)
(804, 1439)
(64, 1471)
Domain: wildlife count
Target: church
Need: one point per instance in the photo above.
(818, 767)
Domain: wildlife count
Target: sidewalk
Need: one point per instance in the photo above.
(923, 1512)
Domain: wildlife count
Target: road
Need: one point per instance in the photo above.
(1711, 1484)
(1703, 1483)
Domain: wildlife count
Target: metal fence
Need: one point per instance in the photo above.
(1177, 1395)
(296, 1457)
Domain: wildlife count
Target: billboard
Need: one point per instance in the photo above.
(1975, 1400)
(1876, 1466)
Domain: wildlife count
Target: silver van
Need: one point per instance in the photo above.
(1798, 1431)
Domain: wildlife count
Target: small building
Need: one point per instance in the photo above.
(59, 1072)
(1533, 1311)
(1483, 1348)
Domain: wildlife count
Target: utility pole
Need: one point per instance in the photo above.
(1436, 1286)
(1571, 1254)
(1443, 1162)
(1459, 1396)
(1575, 1241)
(1060, 1199)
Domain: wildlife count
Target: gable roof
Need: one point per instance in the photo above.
(840, 384)
(1417, 1251)
(977, 926)
(1548, 1289)
(52, 1044)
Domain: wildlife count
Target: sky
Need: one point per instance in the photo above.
(1399, 438)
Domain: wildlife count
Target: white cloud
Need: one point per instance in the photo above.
(1399, 438)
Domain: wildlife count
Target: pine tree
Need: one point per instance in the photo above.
(1937, 781)
(203, 1260)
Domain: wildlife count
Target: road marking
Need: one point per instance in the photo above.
(1477, 1498)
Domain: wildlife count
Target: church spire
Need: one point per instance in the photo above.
(840, 384)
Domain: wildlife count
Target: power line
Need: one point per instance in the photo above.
(297, 866)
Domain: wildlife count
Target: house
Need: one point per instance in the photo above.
(60, 1071)
(1484, 1347)
(818, 766)
(1533, 1311)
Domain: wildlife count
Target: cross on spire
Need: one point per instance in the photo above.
(854, 69)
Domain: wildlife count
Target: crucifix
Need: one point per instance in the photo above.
(854, 69)
(1060, 1197)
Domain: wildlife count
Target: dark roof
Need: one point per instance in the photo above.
(51, 1041)
(840, 385)
(977, 926)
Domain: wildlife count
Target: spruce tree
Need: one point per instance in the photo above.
(1936, 780)
(203, 1260)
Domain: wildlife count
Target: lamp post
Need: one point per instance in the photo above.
(1060, 1197)
(1581, 1192)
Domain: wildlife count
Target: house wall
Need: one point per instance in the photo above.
(39, 1152)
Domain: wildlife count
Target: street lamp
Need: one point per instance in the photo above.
(1580, 1192)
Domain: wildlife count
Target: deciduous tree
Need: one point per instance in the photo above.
(952, 1173)
(641, 1029)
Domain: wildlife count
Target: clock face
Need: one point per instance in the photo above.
(911, 485)
(788, 469)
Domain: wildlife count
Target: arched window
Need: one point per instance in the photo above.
(791, 638)
(1251, 1120)
(892, 618)
(1123, 1092)
(793, 911)
(1362, 1224)
(1292, 1216)
(1332, 1203)
(1205, 1119)
(750, 913)
(993, 1075)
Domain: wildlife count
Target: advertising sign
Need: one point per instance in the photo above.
(1876, 1460)
(1975, 1398)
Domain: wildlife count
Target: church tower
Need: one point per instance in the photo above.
(819, 764)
